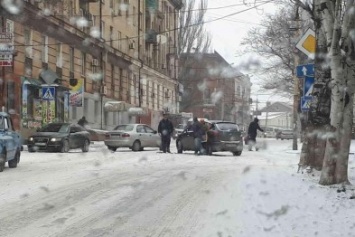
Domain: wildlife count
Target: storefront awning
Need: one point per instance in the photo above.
(30, 81)
(116, 106)
(137, 111)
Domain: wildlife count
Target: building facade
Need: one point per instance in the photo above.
(213, 89)
(111, 61)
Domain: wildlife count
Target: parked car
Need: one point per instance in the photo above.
(59, 137)
(286, 134)
(133, 136)
(223, 136)
(178, 130)
(10, 143)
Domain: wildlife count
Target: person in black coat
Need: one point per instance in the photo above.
(252, 132)
(165, 130)
(83, 122)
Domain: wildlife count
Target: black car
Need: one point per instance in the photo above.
(222, 136)
(59, 137)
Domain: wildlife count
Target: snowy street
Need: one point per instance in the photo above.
(147, 193)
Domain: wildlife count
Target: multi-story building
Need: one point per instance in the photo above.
(110, 61)
(213, 89)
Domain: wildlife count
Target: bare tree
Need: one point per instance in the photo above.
(192, 38)
(272, 41)
(336, 22)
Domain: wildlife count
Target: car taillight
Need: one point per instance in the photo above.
(125, 135)
(107, 135)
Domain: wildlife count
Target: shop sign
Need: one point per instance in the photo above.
(7, 48)
(76, 96)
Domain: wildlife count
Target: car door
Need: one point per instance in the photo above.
(187, 139)
(74, 137)
(153, 139)
(11, 139)
(142, 135)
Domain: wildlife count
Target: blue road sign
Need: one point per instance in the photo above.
(305, 103)
(48, 93)
(308, 86)
(305, 70)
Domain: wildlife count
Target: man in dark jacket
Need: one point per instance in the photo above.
(252, 132)
(83, 122)
(165, 130)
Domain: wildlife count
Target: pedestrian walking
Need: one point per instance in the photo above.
(82, 122)
(165, 130)
(252, 132)
(198, 133)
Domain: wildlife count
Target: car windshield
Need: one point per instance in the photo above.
(55, 127)
(227, 126)
(124, 128)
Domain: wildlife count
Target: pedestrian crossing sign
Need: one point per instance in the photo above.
(306, 103)
(48, 93)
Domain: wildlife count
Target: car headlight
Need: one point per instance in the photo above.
(55, 139)
(30, 139)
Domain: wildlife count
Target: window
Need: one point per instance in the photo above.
(97, 110)
(83, 64)
(134, 18)
(71, 59)
(45, 49)
(28, 42)
(102, 33)
(111, 36)
(126, 3)
(59, 55)
(119, 42)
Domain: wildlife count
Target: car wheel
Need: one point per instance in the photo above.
(13, 163)
(85, 147)
(111, 148)
(65, 146)
(2, 162)
(136, 146)
(31, 149)
(179, 147)
(237, 153)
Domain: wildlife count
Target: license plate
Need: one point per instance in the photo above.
(230, 145)
(40, 144)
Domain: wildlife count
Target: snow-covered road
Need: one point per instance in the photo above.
(147, 193)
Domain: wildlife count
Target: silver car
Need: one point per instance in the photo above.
(134, 136)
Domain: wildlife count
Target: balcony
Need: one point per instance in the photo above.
(151, 36)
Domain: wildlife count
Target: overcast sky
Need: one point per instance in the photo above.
(227, 33)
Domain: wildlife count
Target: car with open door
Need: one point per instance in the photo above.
(133, 136)
(60, 137)
(10, 142)
(222, 136)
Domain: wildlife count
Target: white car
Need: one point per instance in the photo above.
(133, 136)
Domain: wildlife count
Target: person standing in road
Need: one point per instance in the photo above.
(198, 132)
(83, 122)
(252, 132)
(165, 130)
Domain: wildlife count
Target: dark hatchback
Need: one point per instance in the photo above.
(222, 136)
(59, 137)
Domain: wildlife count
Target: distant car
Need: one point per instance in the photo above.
(286, 134)
(10, 143)
(178, 130)
(133, 136)
(60, 137)
(223, 136)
